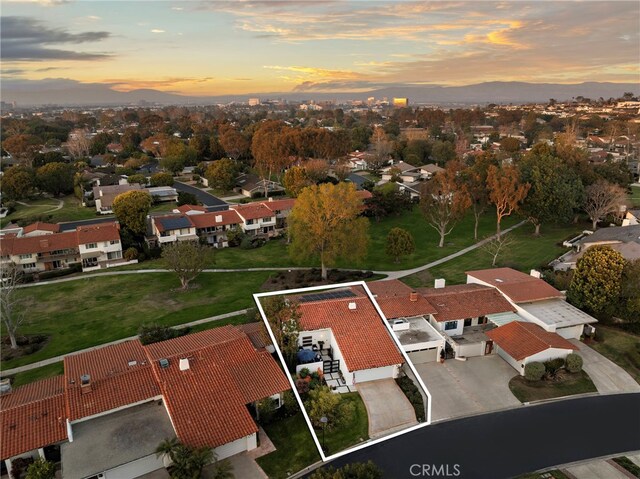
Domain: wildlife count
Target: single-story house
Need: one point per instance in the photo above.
(521, 342)
(251, 185)
(104, 195)
(163, 193)
(429, 170)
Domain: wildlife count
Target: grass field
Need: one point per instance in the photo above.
(634, 197)
(72, 210)
(32, 375)
(83, 313)
(526, 391)
(622, 348)
(526, 252)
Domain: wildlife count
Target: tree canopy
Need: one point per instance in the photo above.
(131, 209)
(187, 259)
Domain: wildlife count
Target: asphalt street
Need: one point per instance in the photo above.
(205, 198)
(513, 442)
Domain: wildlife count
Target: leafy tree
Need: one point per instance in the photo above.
(131, 208)
(234, 143)
(510, 145)
(596, 283)
(162, 179)
(137, 178)
(387, 200)
(270, 152)
(41, 159)
(360, 136)
(616, 172)
(442, 151)
(416, 152)
(284, 318)
(222, 174)
(399, 243)
(444, 202)
(185, 198)
(17, 182)
(317, 170)
(188, 462)
(13, 306)
(629, 303)
(174, 164)
(22, 147)
(201, 144)
(323, 402)
(98, 143)
(41, 469)
(506, 191)
(325, 224)
(601, 199)
(56, 178)
(295, 180)
(474, 183)
(354, 470)
(130, 254)
(187, 259)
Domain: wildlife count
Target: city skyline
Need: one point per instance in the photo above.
(240, 47)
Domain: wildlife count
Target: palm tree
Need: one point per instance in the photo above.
(222, 470)
(168, 448)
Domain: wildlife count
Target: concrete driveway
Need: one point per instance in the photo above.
(460, 388)
(607, 376)
(387, 407)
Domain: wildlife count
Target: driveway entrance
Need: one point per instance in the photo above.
(387, 407)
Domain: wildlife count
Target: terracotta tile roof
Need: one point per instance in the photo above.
(362, 337)
(518, 287)
(257, 333)
(186, 208)
(521, 339)
(98, 232)
(38, 244)
(280, 205)
(114, 383)
(465, 301)
(364, 194)
(253, 211)
(32, 416)
(396, 299)
(207, 402)
(40, 226)
(206, 220)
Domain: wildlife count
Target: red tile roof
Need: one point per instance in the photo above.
(114, 383)
(253, 211)
(362, 338)
(192, 342)
(395, 299)
(518, 287)
(521, 339)
(187, 208)
(32, 416)
(38, 244)
(465, 301)
(257, 333)
(98, 232)
(40, 226)
(364, 194)
(280, 205)
(206, 220)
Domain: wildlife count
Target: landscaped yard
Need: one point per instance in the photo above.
(295, 448)
(353, 431)
(635, 196)
(620, 347)
(527, 252)
(86, 312)
(41, 209)
(38, 373)
(526, 391)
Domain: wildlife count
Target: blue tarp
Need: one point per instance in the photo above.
(306, 356)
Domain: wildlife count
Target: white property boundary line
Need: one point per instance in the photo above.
(257, 297)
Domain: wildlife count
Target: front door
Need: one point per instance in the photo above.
(488, 347)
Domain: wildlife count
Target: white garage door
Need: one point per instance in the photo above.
(374, 374)
(232, 448)
(425, 356)
(135, 468)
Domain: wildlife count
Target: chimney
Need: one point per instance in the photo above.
(101, 193)
(184, 364)
(439, 283)
(85, 384)
(535, 273)
(270, 199)
(352, 306)
(413, 296)
(218, 218)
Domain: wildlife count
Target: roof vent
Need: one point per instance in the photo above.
(218, 218)
(498, 280)
(413, 296)
(352, 306)
(132, 363)
(184, 364)
(5, 386)
(85, 384)
(439, 283)
(535, 273)
(164, 363)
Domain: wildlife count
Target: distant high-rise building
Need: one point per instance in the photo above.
(254, 101)
(400, 102)
(371, 100)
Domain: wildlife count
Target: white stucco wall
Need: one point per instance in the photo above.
(374, 374)
(571, 332)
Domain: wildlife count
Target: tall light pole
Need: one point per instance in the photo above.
(324, 422)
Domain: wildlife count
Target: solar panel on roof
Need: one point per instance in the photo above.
(327, 295)
(175, 223)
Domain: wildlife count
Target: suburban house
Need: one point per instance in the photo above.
(408, 314)
(257, 219)
(535, 300)
(464, 314)
(163, 194)
(104, 195)
(349, 336)
(40, 249)
(406, 172)
(427, 171)
(172, 228)
(39, 228)
(251, 186)
(214, 227)
(357, 160)
(521, 342)
(112, 407)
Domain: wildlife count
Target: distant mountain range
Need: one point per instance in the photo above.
(70, 92)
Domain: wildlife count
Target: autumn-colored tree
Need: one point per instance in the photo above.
(341, 170)
(317, 170)
(601, 199)
(138, 178)
(295, 180)
(187, 259)
(22, 147)
(506, 191)
(56, 178)
(222, 174)
(474, 183)
(284, 318)
(131, 208)
(510, 145)
(596, 282)
(17, 182)
(444, 202)
(399, 243)
(270, 153)
(235, 144)
(382, 149)
(159, 145)
(325, 223)
(161, 179)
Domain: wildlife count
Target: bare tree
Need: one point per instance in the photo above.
(79, 143)
(603, 198)
(13, 306)
(381, 147)
(497, 245)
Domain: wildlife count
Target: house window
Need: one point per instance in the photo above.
(467, 322)
(92, 245)
(25, 256)
(28, 266)
(249, 222)
(482, 320)
(450, 325)
(114, 241)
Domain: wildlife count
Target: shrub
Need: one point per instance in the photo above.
(266, 410)
(600, 335)
(131, 254)
(290, 404)
(574, 363)
(304, 372)
(534, 371)
(302, 386)
(41, 469)
(553, 366)
(413, 395)
(154, 333)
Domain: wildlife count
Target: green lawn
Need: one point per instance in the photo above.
(526, 391)
(39, 373)
(86, 312)
(165, 206)
(635, 196)
(352, 432)
(527, 252)
(295, 448)
(72, 210)
(620, 347)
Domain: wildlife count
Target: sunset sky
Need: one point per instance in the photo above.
(227, 47)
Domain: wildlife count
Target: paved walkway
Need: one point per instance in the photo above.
(46, 362)
(607, 376)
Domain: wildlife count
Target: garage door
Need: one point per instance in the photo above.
(135, 468)
(230, 449)
(425, 356)
(374, 374)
